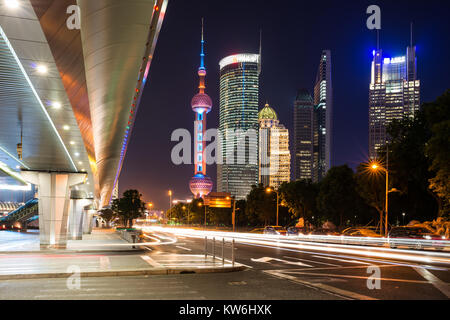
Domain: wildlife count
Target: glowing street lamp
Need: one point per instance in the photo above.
(170, 201)
(270, 190)
(375, 166)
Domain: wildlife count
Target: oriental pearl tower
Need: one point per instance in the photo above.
(200, 184)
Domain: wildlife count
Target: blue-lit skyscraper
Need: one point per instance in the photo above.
(394, 94)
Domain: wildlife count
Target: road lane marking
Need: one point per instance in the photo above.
(183, 248)
(268, 259)
(343, 260)
(435, 281)
(152, 262)
(349, 267)
(313, 261)
(329, 289)
(332, 275)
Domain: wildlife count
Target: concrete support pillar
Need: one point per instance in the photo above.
(88, 220)
(54, 202)
(76, 218)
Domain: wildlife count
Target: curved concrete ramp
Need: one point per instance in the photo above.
(118, 39)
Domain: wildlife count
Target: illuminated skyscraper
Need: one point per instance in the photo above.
(238, 145)
(323, 101)
(304, 136)
(394, 94)
(313, 126)
(200, 184)
(274, 155)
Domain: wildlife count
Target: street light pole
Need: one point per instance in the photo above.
(205, 217)
(234, 214)
(387, 204)
(170, 200)
(269, 190)
(277, 207)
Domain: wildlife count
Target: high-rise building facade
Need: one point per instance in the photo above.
(200, 184)
(274, 155)
(237, 168)
(304, 137)
(394, 94)
(313, 126)
(323, 101)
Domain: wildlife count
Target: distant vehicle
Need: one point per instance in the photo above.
(275, 230)
(360, 232)
(322, 232)
(296, 231)
(413, 237)
(257, 230)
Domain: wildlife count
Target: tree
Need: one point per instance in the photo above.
(260, 206)
(178, 213)
(371, 186)
(300, 197)
(409, 167)
(338, 198)
(418, 159)
(129, 207)
(108, 215)
(438, 150)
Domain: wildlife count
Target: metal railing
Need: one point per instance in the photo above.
(224, 245)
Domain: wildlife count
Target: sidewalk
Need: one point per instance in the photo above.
(103, 254)
(28, 242)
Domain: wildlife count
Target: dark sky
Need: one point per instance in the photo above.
(294, 34)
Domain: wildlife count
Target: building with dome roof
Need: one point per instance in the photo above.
(200, 184)
(274, 154)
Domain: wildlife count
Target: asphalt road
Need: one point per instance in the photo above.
(273, 273)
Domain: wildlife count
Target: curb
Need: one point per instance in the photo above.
(68, 251)
(123, 273)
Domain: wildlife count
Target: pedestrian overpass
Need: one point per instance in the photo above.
(71, 79)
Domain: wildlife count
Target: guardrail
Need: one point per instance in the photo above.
(232, 246)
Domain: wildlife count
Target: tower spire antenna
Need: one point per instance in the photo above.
(202, 28)
(378, 40)
(411, 34)
(260, 52)
(202, 54)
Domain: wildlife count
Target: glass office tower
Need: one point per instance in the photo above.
(323, 100)
(304, 137)
(237, 168)
(394, 94)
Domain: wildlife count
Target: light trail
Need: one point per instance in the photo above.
(275, 241)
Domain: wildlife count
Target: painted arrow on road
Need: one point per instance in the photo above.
(268, 259)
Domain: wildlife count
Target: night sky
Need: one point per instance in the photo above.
(294, 34)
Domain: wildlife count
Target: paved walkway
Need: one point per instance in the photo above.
(103, 253)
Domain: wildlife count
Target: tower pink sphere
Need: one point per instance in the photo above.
(200, 185)
(201, 101)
